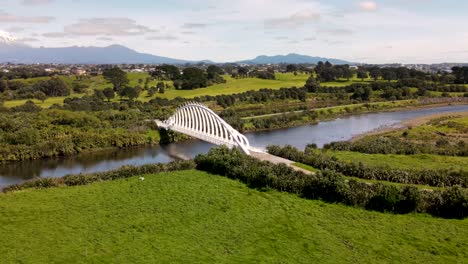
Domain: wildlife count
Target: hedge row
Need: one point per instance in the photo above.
(121, 173)
(331, 186)
(321, 160)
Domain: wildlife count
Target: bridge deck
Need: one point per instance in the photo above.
(277, 160)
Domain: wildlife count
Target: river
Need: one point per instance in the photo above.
(324, 132)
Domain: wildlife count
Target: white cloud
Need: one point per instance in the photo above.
(163, 37)
(28, 39)
(9, 18)
(296, 19)
(368, 6)
(194, 25)
(36, 2)
(54, 35)
(107, 27)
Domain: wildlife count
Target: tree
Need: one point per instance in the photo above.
(3, 86)
(312, 85)
(362, 74)
(100, 94)
(193, 78)
(79, 87)
(53, 87)
(40, 96)
(375, 73)
(166, 72)
(130, 92)
(214, 74)
(346, 72)
(160, 86)
(461, 74)
(151, 91)
(388, 74)
(117, 77)
(291, 68)
(242, 72)
(362, 93)
(109, 93)
(213, 70)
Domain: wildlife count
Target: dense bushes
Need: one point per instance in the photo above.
(326, 185)
(395, 145)
(49, 133)
(121, 173)
(333, 187)
(320, 160)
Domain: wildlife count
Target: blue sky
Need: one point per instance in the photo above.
(375, 31)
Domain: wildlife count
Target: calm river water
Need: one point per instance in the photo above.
(322, 133)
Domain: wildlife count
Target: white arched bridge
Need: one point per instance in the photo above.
(198, 121)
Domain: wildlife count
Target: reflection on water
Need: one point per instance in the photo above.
(342, 128)
(322, 133)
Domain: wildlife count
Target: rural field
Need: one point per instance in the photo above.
(193, 216)
(232, 86)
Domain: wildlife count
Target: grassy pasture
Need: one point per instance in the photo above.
(195, 217)
(418, 161)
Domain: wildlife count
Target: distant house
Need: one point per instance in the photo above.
(353, 67)
(78, 72)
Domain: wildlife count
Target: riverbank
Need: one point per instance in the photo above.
(418, 121)
(314, 116)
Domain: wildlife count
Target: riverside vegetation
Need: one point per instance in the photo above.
(113, 110)
(117, 215)
(147, 212)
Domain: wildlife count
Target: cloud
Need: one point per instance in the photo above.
(310, 39)
(281, 38)
(15, 29)
(105, 39)
(9, 18)
(296, 19)
(107, 27)
(54, 35)
(368, 6)
(188, 32)
(28, 39)
(337, 31)
(163, 37)
(36, 2)
(194, 25)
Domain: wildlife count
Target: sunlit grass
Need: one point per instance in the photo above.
(195, 217)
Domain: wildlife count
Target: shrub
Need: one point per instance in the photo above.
(121, 173)
(320, 160)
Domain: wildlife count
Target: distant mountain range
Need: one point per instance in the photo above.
(14, 51)
(292, 58)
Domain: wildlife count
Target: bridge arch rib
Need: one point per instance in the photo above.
(198, 121)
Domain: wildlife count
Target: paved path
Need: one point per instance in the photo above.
(277, 160)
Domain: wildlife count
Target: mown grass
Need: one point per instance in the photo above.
(417, 161)
(194, 217)
(232, 86)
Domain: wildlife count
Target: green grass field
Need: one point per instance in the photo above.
(418, 161)
(194, 217)
(231, 86)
